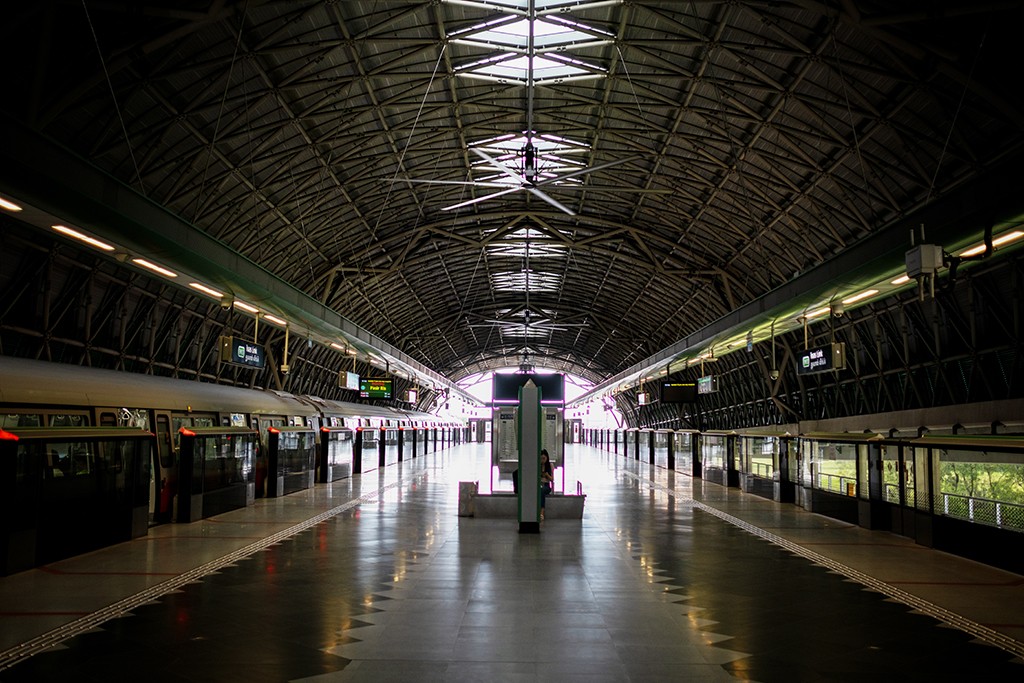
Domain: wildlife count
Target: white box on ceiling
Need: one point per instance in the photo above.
(924, 259)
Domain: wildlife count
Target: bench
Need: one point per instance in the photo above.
(504, 505)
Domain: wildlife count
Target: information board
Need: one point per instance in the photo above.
(708, 384)
(821, 359)
(678, 392)
(375, 388)
(506, 386)
(240, 352)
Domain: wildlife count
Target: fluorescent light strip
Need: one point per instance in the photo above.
(337, 346)
(8, 205)
(206, 290)
(999, 241)
(820, 311)
(246, 307)
(83, 238)
(154, 267)
(866, 294)
(275, 320)
(901, 280)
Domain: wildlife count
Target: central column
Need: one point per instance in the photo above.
(529, 458)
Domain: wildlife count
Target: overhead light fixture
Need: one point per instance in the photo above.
(154, 267)
(275, 320)
(246, 307)
(997, 242)
(65, 230)
(8, 205)
(206, 290)
(866, 294)
(820, 311)
(901, 280)
(335, 345)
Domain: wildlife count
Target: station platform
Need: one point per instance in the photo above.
(376, 578)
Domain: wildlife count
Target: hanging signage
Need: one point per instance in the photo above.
(411, 395)
(708, 384)
(821, 359)
(641, 398)
(678, 392)
(240, 352)
(348, 380)
(374, 388)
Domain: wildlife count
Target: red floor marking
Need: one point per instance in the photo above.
(258, 537)
(44, 614)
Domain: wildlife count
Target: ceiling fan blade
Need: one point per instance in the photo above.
(589, 169)
(549, 200)
(607, 188)
(497, 164)
(474, 183)
(480, 199)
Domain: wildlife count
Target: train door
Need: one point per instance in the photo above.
(163, 481)
(261, 424)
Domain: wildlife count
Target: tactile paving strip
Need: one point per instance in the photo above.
(979, 631)
(81, 625)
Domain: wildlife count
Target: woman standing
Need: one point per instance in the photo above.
(547, 478)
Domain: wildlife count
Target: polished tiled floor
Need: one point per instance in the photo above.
(375, 578)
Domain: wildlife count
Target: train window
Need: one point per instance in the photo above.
(163, 433)
(82, 460)
(113, 455)
(20, 420)
(133, 418)
(58, 461)
(69, 420)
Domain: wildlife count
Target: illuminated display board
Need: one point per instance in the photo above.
(506, 387)
(821, 359)
(708, 384)
(678, 392)
(348, 380)
(240, 352)
(375, 388)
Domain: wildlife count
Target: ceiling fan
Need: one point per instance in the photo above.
(529, 323)
(528, 175)
(527, 179)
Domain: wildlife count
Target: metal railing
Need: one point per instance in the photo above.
(986, 511)
(762, 469)
(981, 510)
(836, 483)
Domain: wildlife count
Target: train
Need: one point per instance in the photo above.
(954, 487)
(90, 457)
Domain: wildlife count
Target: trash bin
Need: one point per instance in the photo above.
(467, 496)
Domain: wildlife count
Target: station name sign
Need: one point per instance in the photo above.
(708, 384)
(822, 359)
(240, 352)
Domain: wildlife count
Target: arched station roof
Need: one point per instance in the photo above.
(733, 145)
